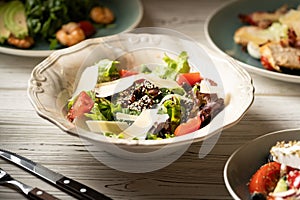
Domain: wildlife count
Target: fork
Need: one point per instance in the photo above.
(30, 192)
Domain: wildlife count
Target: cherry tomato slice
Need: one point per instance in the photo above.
(265, 179)
(83, 104)
(87, 28)
(191, 78)
(191, 125)
(125, 73)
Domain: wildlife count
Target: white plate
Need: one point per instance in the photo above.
(244, 162)
(223, 22)
(128, 16)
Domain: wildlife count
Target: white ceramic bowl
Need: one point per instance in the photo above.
(54, 81)
(245, 161)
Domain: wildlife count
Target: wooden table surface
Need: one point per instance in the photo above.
(276, 107)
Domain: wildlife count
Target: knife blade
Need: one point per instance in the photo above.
(31, 192)
(72, 187)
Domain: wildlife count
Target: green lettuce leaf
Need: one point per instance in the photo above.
(107, 70)
(174, 67)
(173, 109)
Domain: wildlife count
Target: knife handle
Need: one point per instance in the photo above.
(38, 194)
(79, 190)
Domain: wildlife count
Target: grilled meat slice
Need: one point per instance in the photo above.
(278, 56)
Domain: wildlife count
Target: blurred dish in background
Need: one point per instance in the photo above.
(249, 158)
(273, 38)
(40, 32)
(226, 20)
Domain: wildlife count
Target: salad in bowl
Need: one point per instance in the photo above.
(157, 101)
(265, 168)
(280, 177)
(150, 89)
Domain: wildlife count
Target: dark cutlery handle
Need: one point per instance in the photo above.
(79, 190)
(38, 194)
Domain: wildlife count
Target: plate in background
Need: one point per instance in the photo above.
(128, 15)
(221, 25)
(244, 162)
